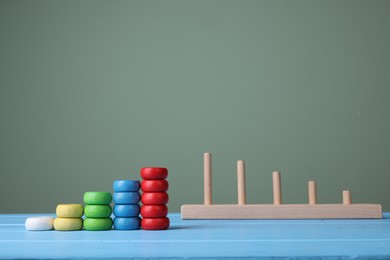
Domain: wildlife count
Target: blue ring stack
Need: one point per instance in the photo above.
(126, 209)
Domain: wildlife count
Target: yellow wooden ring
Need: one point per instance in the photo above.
(69, 210)
(68, 224)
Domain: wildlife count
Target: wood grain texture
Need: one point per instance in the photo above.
(285, 211)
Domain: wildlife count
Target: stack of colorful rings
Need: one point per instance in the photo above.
(97, 211)
(69, 217)
(154, 198)
(126, 208)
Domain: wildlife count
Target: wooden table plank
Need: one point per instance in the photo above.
(325, 239)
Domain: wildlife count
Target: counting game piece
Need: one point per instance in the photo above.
(155, 223)
(68, 224)
(154, 185)
(127, 223)
(69, 210)
(126, 197)
(98, 211)
(154, 198)
(126, 185)
(39, 223)
(97, 224)
(97, 198)
(68, 217)
(277, 210)
(154, 211)
(154, 173)
(126, 210)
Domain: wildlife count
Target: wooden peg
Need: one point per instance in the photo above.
(207, 179)
(312, 192)
(241, 182)
(346, 197)
(277, 188)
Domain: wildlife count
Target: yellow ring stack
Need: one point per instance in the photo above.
(69, 217)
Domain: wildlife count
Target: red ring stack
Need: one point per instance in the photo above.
(154, 198)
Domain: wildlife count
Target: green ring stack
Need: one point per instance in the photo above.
(97, 211)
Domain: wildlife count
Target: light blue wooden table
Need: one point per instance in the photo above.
(284, 239)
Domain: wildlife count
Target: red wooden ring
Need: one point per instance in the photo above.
(154, 185)
(154, 211)
(155, 223)
(154, 173)
(154, 198)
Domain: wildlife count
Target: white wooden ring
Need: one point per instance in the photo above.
(39, 223)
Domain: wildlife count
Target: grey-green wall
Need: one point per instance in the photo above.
(91, 91)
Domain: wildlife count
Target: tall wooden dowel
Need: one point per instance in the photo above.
(312, 192)
(346, 197)
(277, 188)
(207, 179)
(241, 182)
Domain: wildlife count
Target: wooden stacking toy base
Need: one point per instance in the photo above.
(284, 211)
(277, 210)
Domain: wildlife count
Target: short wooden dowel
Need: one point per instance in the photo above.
(346, 197)
(312, 192)
(207, 179)
(277, 188)
(241, 182)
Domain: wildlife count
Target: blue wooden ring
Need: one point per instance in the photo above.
(127, 223)
(126, 185)
(126, 197)
(127, 211)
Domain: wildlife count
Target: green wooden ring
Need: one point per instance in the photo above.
(97, 211)
(97, 224)
(97, 198)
